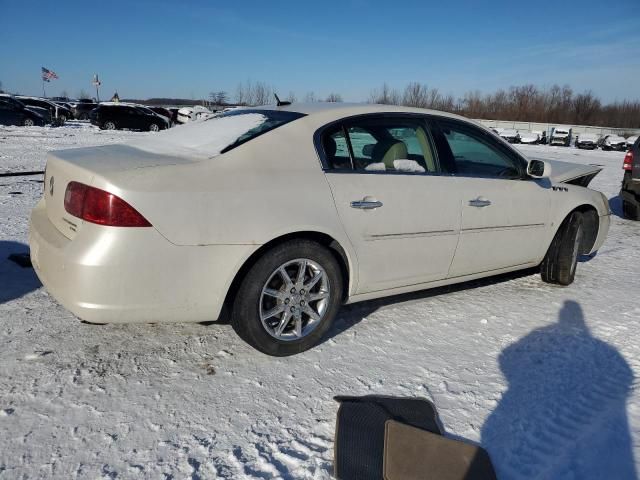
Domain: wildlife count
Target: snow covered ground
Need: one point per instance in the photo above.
(544, 377)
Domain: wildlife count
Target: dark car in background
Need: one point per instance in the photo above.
(112, 116)
(630, 191)
(58, 114)
(82, 108)
(14, 112)
(165, 112)
(613, 142)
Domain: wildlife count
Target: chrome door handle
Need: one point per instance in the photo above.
(366, 204)
(479, 202)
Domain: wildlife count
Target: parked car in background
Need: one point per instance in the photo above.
(83, 108)
(14, 112)
(58, 114)
(630, 190)
(197, 112)
(164, 112)
(631, 140)
(145, 234)
(510, 136)
(560, 137)
(112, 116)
(587, 141)
(613, 142)
(530, 138)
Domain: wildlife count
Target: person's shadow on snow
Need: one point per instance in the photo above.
(15, 281)
(564, 413)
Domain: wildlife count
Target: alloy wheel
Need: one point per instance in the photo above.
(294, 299)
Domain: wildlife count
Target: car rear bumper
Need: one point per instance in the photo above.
(122, 275)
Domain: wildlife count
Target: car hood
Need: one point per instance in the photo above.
(575, 173)
(529, 137)
(615, 140)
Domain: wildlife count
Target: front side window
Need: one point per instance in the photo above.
(390, 145)
(467, 151)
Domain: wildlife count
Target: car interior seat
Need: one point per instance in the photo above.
(387, 151)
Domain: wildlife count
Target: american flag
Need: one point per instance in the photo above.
(48, 75)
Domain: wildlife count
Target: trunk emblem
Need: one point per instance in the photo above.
(51, 183)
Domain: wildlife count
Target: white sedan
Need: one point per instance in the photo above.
(282, 214)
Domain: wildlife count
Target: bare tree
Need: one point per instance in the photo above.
(334, 98)
(310, 97)
(291, 97)
(385, 96)
(83, 94)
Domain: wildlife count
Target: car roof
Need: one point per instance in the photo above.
(339, 110)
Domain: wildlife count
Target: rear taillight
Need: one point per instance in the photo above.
(104, 208)
(627, 164)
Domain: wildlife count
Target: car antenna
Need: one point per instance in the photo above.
(279, 102)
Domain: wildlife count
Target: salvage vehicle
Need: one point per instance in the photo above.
(530, 138)
(118, 115)
(560, 137)
(631, 140)
(280, 214)
(14, 112)
(587, 141)
(57, 114)
(510, 135)
(630, 190)
(613, 142)
(83, 107)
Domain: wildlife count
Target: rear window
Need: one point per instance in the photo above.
(272, 120)
(208, 138)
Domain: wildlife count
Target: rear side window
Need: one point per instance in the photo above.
(381, 144)
(273, 120)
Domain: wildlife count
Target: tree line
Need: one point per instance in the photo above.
(526, 103)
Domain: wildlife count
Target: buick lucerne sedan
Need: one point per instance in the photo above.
(278, 215)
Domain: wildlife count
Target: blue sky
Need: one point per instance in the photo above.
(188, 48)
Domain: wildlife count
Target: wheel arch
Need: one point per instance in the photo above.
(590, 223)
(340, 254)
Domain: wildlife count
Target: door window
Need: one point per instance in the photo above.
(390, 145)
(467, 151)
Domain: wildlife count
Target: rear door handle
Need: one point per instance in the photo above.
(367, 203)
(479, 202)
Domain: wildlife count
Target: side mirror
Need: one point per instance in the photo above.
(538, 169)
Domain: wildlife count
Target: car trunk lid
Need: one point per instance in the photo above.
(85, 165)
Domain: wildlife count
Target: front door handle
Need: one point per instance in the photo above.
(479, 202)
(367, 203)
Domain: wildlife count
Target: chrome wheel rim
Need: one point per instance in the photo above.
(110, 126)
(28, 123)
(295, 299)
(153, 127)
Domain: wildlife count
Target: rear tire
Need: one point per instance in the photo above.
(298, 331)
(559, 264)
(109, 125)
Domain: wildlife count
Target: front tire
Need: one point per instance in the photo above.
(28, 122)
(109, 126)
(288, 299)
(559, 264)
(154, 127)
